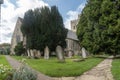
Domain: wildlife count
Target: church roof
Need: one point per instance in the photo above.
(21, 19)
(72, 35)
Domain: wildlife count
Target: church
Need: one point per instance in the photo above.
(71, 39)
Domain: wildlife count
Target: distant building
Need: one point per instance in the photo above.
(5, 48)
(17, 35)
(71, 40)
(74, 24)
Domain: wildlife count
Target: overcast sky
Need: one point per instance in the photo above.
(12, 9)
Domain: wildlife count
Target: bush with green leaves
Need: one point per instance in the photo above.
(99, 27)
(4, 70)
(24, 73)
(19, 49)
(44, 27)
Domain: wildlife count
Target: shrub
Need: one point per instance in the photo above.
(4, 70)
(24, 73)
(19, 49)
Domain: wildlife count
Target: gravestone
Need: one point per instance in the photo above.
(31, 52)
(60, 54)
(34, 53)
(28, 53)
(38, 54)
(84, 54)
(46, 53)
(70, 54)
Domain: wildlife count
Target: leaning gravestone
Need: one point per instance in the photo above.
(46, 53)
(60, 54)
(84, 54)
(28, 53)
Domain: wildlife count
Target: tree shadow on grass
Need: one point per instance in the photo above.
(101, 56)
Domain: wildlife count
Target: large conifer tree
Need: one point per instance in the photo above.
(44, 27)
(99, 26)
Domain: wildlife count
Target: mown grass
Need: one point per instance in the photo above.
(5, 63)
(3, 60)
(116, 69)
(53, 68)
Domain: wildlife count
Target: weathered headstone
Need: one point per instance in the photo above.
(31, 52)
(84, 54)
(70, 53)
(34, 53)
(38, 54)
(28, 53)
(60, 54)
(46, 53)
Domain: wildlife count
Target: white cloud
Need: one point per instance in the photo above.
(73, 15)
(10, 12)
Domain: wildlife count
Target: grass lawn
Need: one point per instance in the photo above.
(53, 68)
(5, 63)
(116, 69)
(3, 60)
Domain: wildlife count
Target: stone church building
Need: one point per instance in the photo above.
(71, 39)
(17, 35)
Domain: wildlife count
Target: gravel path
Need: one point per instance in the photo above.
(15, 64)
(101, 72)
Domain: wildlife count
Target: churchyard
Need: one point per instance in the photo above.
(43, 49)
(55, 69)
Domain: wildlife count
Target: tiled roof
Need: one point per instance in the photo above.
(72, 35)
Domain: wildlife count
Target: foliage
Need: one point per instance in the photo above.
(4, 48)
(69, 68)
(4, 45)
(4, 67)
(115, 69)
(4, 70)
(44, 27)
(24, 73)
(19, 49)
(99, 26)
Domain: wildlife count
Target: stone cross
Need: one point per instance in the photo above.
(46, 53)
(60, 54)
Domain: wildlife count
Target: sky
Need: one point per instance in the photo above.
(12, 9)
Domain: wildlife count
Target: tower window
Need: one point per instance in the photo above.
(74, 27)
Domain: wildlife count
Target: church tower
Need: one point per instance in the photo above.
(74, 24)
